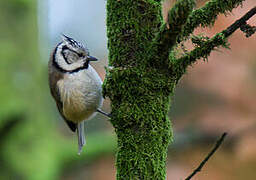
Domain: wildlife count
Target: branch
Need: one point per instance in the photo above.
(240, 22)
(167, 36)
(206, 47)
(217, 145)
(248, 29)
(207, 15)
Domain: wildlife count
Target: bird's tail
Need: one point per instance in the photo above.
(81, 137)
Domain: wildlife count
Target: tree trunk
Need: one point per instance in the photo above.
(140, 94)
(145, 68)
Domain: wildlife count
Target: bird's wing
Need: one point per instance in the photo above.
(53, 79)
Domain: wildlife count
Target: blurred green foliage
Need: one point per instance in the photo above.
(31, 145)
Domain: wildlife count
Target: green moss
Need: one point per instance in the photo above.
(142, 81)
(139, 95)
(203, 50)
(140, 101)
(207, 15)
(131, 27)
(166, 38)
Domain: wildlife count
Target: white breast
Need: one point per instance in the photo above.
(81, 94)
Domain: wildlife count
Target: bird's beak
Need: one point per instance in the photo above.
(90, 58)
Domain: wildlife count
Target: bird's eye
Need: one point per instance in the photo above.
(80, 55)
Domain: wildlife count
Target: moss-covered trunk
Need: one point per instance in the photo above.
(145, 67)
(140, 94)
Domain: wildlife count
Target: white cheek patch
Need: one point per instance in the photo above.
(70, 57)
(68, 67)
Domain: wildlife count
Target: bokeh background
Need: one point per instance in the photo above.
(213, 97)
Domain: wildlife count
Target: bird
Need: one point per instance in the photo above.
(75, 85)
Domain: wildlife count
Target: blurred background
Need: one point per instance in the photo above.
(213, 97)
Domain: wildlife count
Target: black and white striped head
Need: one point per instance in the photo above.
(69, 53)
